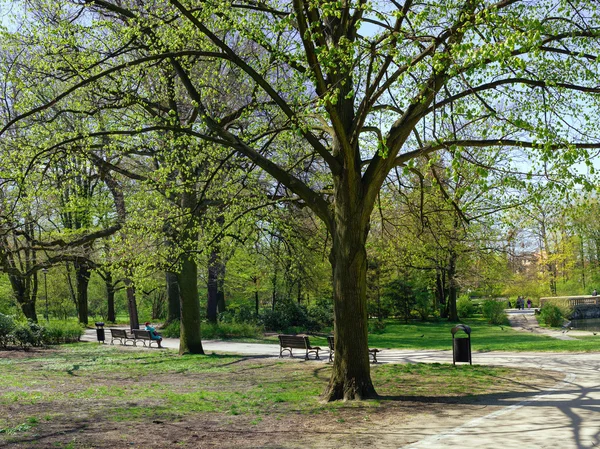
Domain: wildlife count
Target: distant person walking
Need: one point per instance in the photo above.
(528, 303)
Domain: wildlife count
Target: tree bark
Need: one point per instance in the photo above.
(351, 376)
(190, 337)
(82, 276)
(134, 321)
(221, 289)
(174, 307)
(111, 316)
(26, 301)
(213, 290)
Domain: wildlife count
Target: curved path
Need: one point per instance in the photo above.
(565, 416)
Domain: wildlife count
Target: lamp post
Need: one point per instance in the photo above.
(45, 271)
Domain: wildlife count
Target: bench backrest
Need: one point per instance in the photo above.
(142, 334)
(119, 333)
(294, 341)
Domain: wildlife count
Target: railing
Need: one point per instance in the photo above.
(574, 300)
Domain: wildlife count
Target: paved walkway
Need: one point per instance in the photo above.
(525, 321)
(566, 416)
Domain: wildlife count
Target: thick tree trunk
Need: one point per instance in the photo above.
(82, 276)
(351, 376)
(134, 321)
(23, 297)
(190, 337)
(173, 304)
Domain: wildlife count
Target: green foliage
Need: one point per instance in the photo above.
(7, 325)
(493, 311)
(465, 307)
(286, 315)
(399, 294)
(377, 326)
(554, 312)
(222, 330)
(238, 313)
(172, 330)
(62, 332)
(231, 330)
(28, 334)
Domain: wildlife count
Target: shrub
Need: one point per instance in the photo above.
(231, 330)
(287, 315)
(377, 326)
(553, 313)
(24, 336)
(172, 330)
(7, 326)
(62, 332)
(464, 306)
(320, 314)
(238, 313)
(494, 311)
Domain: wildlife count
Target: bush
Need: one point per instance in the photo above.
(287, 315)
(553, 313)
(62, 332)
(231, 330)
(464, 306)
(238, 313)
(494, 311)
(7, 326)
(172, 330)
(377, 326)
(27, 334)
(321, 314)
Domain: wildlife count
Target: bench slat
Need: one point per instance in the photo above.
(289, 342)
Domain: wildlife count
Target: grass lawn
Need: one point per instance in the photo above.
(86, 395)
(484, 337)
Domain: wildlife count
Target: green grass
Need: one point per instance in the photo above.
(138, 385)
(484, 337)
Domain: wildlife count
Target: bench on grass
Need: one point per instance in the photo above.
(121, 336)
(289, 342)
(331, 342)
(144, 336)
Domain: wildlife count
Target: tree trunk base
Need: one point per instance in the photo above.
(349, 391)
(194, 349)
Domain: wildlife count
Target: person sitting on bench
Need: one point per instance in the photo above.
(153, 334)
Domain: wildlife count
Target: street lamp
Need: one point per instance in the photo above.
(45, 271)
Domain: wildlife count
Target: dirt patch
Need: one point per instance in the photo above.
(162, 408)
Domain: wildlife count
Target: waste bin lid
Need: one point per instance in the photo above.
(100, 323)
(461, 327)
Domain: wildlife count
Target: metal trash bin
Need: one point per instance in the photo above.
(100, 331)
(461, 346)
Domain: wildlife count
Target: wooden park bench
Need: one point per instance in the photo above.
(121, 336)
(289, 342)
(331, 342)
(144, 336)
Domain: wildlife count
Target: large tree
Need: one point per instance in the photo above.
(368, 86)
